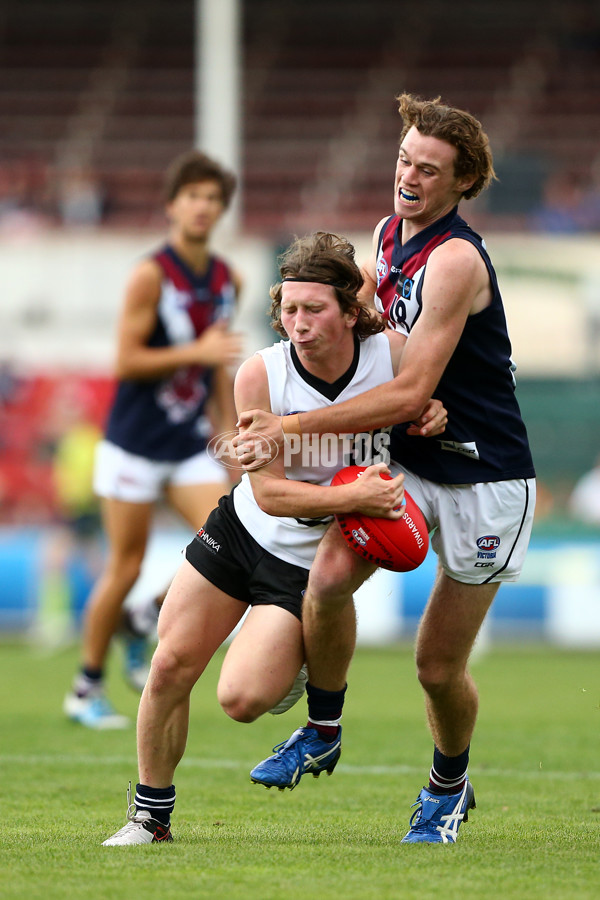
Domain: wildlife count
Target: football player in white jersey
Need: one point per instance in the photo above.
(252, 556)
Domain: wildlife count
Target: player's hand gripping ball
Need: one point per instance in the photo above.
(397, 544)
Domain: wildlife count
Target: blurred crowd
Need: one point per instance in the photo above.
(48, 430)
(35, 196)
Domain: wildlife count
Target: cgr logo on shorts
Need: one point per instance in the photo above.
(487, 544)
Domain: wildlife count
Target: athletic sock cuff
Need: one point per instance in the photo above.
(448, 773)
(324, 706)
(155, 799)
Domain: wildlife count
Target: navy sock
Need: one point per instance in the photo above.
(87, 681)
(448, 773)
(92, 674)
(325, 711)
(159, 802)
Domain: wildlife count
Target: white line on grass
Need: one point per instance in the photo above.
(341, 769)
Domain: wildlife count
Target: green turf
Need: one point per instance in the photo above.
(535, 768)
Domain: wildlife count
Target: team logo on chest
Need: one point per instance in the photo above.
(382, 269)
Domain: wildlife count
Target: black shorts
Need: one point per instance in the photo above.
(229, 557)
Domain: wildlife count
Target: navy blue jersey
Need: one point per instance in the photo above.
(485, 439)
(164, 419)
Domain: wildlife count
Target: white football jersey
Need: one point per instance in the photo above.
(294, 390)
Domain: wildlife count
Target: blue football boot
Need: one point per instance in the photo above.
(439, 816)
(304, 752)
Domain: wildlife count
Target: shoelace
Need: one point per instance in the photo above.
(416, 813)
(133, 818)
(450, 820)
(308, 759)
(132, 822)
(278, 747)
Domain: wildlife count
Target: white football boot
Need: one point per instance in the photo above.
(141, 828)
(298, 688)
(94, 711)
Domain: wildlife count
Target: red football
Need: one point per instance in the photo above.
(397, 544)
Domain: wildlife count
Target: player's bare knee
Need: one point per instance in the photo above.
(169, 672)
(437, 675)
(330, 587)
(241, 706)
(336, 571)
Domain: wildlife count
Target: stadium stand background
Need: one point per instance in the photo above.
(108, 88)
(97, 97)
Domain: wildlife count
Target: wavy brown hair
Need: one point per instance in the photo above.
(193, 167)
(326, 258)
(456, 127)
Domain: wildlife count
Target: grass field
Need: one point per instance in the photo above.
(535, 769)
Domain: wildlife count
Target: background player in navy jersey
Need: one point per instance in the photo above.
(173, 393)
(255, 550)
(433, 281)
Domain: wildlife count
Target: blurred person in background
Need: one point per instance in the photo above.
(561, 209)
(23, 184)
(174, 392)
(72, 435)
(584, 502)
(570, 204)
(80, 197)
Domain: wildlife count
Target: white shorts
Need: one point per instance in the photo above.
(135, 479)
(481, 531)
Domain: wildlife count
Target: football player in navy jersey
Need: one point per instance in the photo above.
(430, 276)
(173, 392)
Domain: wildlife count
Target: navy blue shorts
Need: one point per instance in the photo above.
(229, 557)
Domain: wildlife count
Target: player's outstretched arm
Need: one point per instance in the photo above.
(280, 496)
(456, 285)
